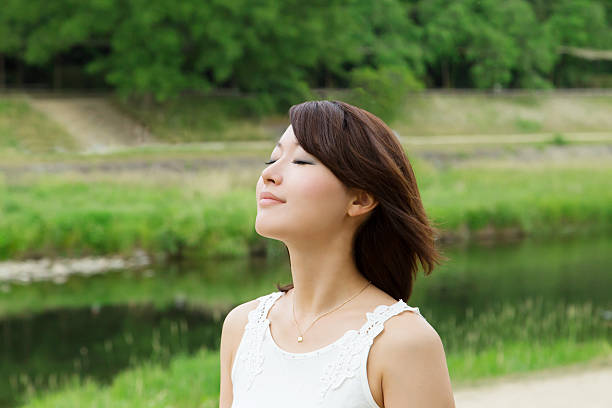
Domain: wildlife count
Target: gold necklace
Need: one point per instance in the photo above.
(301, 336)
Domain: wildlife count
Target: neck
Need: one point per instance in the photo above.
(323, 278)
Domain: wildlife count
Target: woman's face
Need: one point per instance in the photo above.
(313, 203)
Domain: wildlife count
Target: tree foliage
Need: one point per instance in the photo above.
(280, 50)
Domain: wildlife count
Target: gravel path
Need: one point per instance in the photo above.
(562, 388)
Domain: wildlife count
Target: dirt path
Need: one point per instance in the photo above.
(568, 387)
(93, 122)
(526, 154)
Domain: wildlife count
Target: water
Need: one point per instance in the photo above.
(100, 325)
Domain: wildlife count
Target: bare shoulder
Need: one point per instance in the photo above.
(231, 333)
(237, 318)
(409, 329)
(405, 334)
(413, 364)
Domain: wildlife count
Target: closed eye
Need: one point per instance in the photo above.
(295, 161)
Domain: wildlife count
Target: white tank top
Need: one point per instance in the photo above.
(264, 375)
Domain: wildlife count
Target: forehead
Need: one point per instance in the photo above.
(287, 139)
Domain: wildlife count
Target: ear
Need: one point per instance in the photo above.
(362, 202)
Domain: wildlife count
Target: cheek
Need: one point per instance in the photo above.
(317, 188)
(322, 192)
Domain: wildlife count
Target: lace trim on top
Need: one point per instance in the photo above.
(254, 331)
(354, 345)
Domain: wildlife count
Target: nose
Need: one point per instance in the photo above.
(271, 174)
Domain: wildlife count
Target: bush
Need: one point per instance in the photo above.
(383, 91)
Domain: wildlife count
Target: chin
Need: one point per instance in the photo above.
(268, 229)
(286, 232)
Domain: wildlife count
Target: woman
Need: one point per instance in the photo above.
(340, 193)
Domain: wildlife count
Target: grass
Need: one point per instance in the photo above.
(188, 381)
(191, 118)
(212, 213)
(78, 218)
(233, 118)
(226, 118)
(559, 139)
(193, 381)
(532, 199)
(472, 113)
(532, 322)
(515, 358)
(527, 126)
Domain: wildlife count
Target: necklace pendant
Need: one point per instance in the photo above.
(299, 339)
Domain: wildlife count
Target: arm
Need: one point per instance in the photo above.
(415, 372)
(226, 360)
(231, 334)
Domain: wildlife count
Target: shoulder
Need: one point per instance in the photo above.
(233, 329)
(413, 363)
(237, 318)
(405, 334)
(407, 329)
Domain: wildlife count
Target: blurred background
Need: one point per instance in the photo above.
(132, 134)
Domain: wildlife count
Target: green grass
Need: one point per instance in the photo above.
(527, 126)
(188, 381)
(194, 381)
(535, 200)
(212, 214)
(22, 129)
(559, 139)
(526, 325)
(514, 358)
(79, 218)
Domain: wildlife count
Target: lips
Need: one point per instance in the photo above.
(269, 199)
(269, 196)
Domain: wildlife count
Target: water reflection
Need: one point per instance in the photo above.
(43, 350)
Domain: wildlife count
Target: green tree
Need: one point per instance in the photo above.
(497, 42)
(383, 91)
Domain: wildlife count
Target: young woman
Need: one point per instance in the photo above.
(340, 193)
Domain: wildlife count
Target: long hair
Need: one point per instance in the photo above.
(364, 153)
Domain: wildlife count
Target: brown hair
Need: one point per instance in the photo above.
(364, 153)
